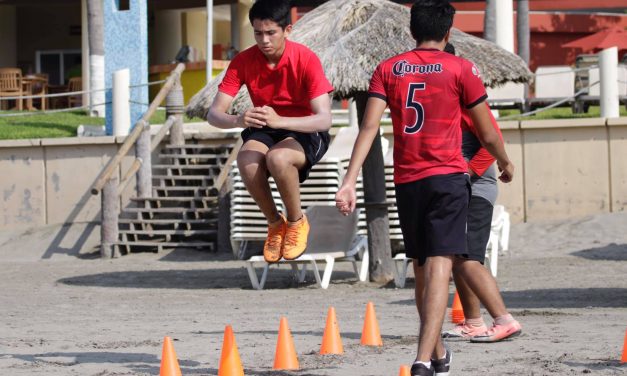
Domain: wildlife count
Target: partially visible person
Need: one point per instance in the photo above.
(231, 53)
(484, 191)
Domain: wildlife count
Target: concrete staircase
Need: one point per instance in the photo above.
(183, 212)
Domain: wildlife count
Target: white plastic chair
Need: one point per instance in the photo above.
(499, 237)
(498, 243)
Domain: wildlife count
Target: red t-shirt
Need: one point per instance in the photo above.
(482, 160)
(288, 87)
(424, 89)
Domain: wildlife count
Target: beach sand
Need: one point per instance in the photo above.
(66, 312)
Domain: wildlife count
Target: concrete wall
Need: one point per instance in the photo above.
(564, 168)
(8, 36)
(617, 131)
(195, 30)
(168, 36)
(47, 181)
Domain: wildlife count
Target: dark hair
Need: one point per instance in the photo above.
(449, 48)
(273, 10)
(431, 20)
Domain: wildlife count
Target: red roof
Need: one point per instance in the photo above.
(606, 38)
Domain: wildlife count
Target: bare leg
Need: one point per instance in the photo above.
(470, 302)
(482, 285)
(419, 273)
(251, 162)
(437, 271)
(283, 161)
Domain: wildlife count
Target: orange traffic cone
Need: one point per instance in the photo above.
(370, 335)
(457, 311)
(285, 356)
(169, 363)
(404, 371)
(331, 340)
(623, 359)
(230, 362)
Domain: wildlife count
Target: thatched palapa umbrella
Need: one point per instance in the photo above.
(352, 37)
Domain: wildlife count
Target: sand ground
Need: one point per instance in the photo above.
(65, 312)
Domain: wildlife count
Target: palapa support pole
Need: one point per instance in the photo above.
(109, 219)
(373, 171)
(174, 106)
(143, 152)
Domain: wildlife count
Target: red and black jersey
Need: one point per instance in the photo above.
(288, 88)
(426, 90)
(482, 159)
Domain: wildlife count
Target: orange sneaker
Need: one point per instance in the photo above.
(274, 242)
(296, 238)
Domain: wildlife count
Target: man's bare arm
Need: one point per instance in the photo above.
(345, 199)
(218, 117)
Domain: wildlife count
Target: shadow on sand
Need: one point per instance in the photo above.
(198, 279)
(611, 252)
(559, 298)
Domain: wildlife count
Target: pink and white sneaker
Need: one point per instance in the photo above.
(499, 332)
(465, 331)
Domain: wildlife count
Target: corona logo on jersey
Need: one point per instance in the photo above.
(402, 67)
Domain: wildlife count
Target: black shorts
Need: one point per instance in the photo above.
(314, 144)
(479, 225)
(432, 214)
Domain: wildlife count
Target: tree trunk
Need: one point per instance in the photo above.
(379, 247)
(489, 21)
(95, 16)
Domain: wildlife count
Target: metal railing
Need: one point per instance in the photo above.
(85, 106)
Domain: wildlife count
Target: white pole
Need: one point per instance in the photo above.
(121, 104)
(85, 52)
(505, 24)
(608, 66)
(209, 40)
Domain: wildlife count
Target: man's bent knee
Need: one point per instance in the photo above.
(279, 159)
(250, 162)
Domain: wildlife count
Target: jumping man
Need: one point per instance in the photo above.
(286, 130)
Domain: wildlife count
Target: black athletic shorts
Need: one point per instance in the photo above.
(432, 213)
(479, 225)
(314, 144)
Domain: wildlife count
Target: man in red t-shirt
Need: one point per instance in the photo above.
(425, 89)
(286, 130)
